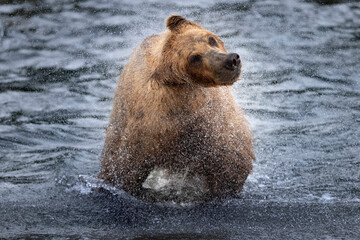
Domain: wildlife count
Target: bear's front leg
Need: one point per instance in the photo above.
(221, 187)
(226, 180)
(133, 174)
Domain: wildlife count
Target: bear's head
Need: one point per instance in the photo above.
(194, 55)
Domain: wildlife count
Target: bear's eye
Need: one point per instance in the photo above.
(213, 42)
(195, 59)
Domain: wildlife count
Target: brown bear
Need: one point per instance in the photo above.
(173, 109)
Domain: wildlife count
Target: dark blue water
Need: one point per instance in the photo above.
(59, 62)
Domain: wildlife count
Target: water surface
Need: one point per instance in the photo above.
(59, 62)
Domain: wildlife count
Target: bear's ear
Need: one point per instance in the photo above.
(175, 22)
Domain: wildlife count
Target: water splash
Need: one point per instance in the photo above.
(59, 61)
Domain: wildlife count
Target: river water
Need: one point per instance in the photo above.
(59, 62)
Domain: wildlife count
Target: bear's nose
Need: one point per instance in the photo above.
(232, 61)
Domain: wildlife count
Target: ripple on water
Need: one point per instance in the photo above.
(59, 61)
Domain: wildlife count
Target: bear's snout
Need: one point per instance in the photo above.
(232, 61)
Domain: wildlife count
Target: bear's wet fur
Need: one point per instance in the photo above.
(173, 109)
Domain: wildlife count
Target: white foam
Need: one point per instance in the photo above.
(87, 184)
(327, 197)
(178, 187)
